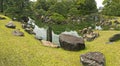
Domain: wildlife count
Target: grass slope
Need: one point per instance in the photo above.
(26, 51)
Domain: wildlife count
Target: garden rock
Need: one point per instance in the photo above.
(17, 33)
(72, 43)
(10, 25)
(114, 38)
(89, 34)
(49, 44)
(93, 59)
(29, 30)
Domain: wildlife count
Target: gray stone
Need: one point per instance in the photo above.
(114, 38)
(72, 43)
(29, 30)
(93, 59)
(11, 25)
(90, 37)
(17, 33)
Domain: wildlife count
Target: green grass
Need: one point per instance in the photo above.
(26, 51)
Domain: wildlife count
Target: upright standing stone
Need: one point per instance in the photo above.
(49, 34)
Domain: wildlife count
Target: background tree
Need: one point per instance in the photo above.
(57, 18)
(18, 8)
(60, 8)
(1, 5)
(87, 6)
(111, 7)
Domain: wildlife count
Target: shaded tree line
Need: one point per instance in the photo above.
(111, 7)
(56, 10)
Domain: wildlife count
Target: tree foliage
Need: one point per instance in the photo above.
(87, 6)
(16, 8)
(111, 7)
(20, 8)
(57, 18)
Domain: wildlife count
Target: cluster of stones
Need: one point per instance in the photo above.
(109, 23)
(71, 43)
(89, 34)
(28, 27)
(15, 32)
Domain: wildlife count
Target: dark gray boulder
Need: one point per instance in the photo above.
(72, 43)
(92, 59)
(17, 33)
(114, 38)
(10, 25)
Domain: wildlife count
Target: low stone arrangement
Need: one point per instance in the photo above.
(28, 28)
(72, 43)
(10, 25)
(114, 38)
(92, 59)
(49, 44)
(17, 32)
(89, 34)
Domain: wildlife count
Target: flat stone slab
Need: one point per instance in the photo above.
(17, 33)
(93, 59)
(10, 25)
(49, 44)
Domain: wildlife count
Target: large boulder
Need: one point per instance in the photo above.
(115, 37)
(93, 59)
(17, 33)
(10, 25)
(72, 43)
